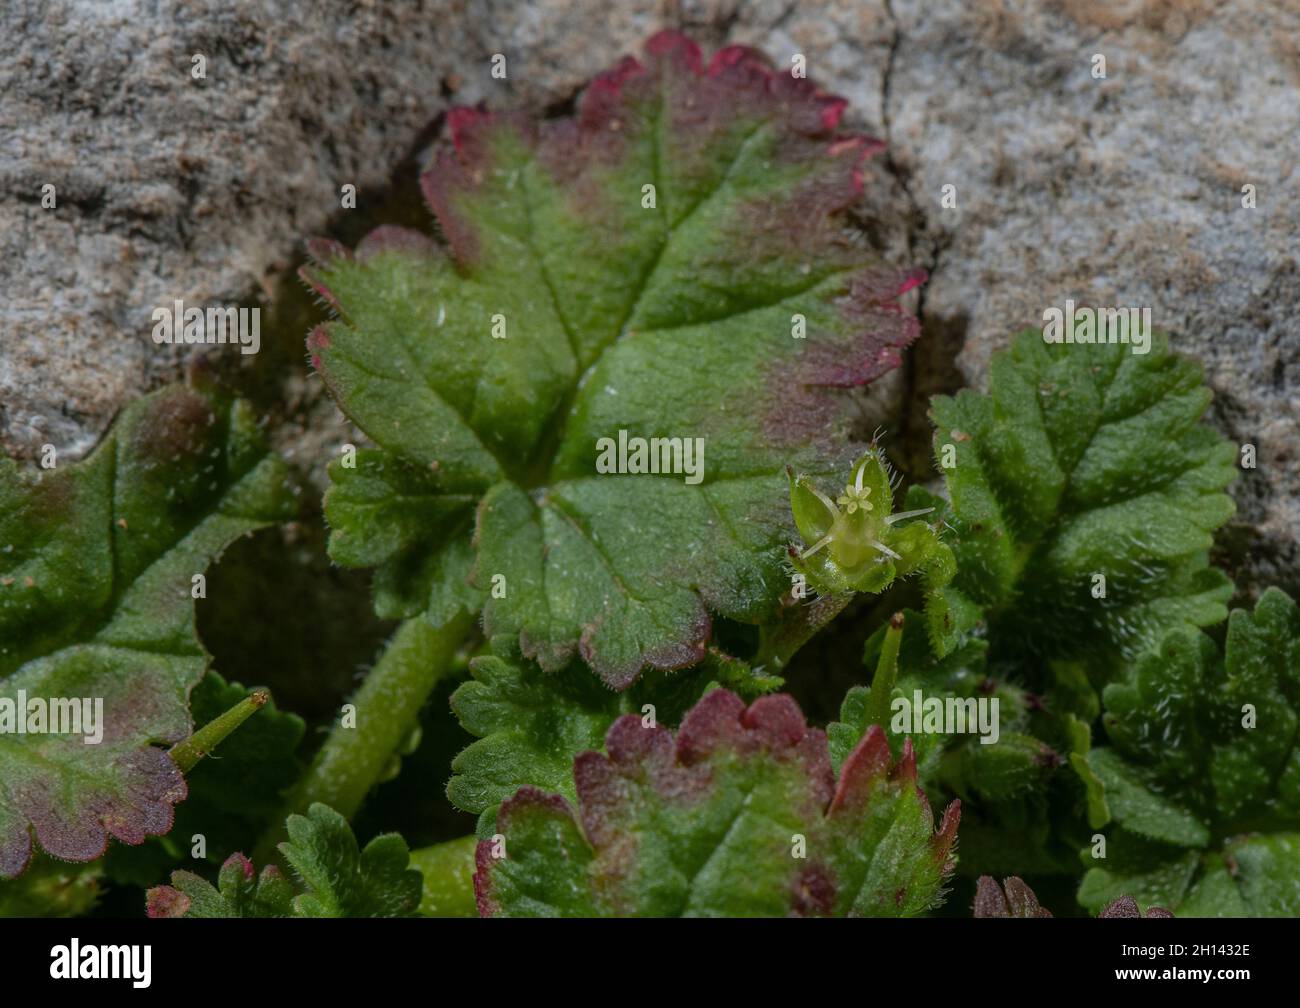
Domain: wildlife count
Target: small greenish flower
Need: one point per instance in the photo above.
(855, 495)
(854, 543)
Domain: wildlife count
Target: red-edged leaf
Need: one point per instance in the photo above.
(738, 815)
(96, 566)
(672, 262)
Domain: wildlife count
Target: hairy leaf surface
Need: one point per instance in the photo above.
(532, 723)
(1202, 774)
(96, 567)
(739, 815)
(1084, 461)
(668, 263)
(338, 878)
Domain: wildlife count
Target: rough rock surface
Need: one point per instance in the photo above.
(1117, 191)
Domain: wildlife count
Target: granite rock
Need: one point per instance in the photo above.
(1122, 190)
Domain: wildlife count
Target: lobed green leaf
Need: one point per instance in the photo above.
(97, 561)
(1084, 462)
(338, 878)
(1201, 780)
(739, 815)
(532, 723)
(571, 309)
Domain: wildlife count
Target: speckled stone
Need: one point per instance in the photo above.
(1118, 191)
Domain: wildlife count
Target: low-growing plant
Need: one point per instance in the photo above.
(613, 484)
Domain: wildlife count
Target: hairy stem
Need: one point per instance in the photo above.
(353, 759)
(187, 753)
(882, 683)
(448, 870)
(799, 623)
